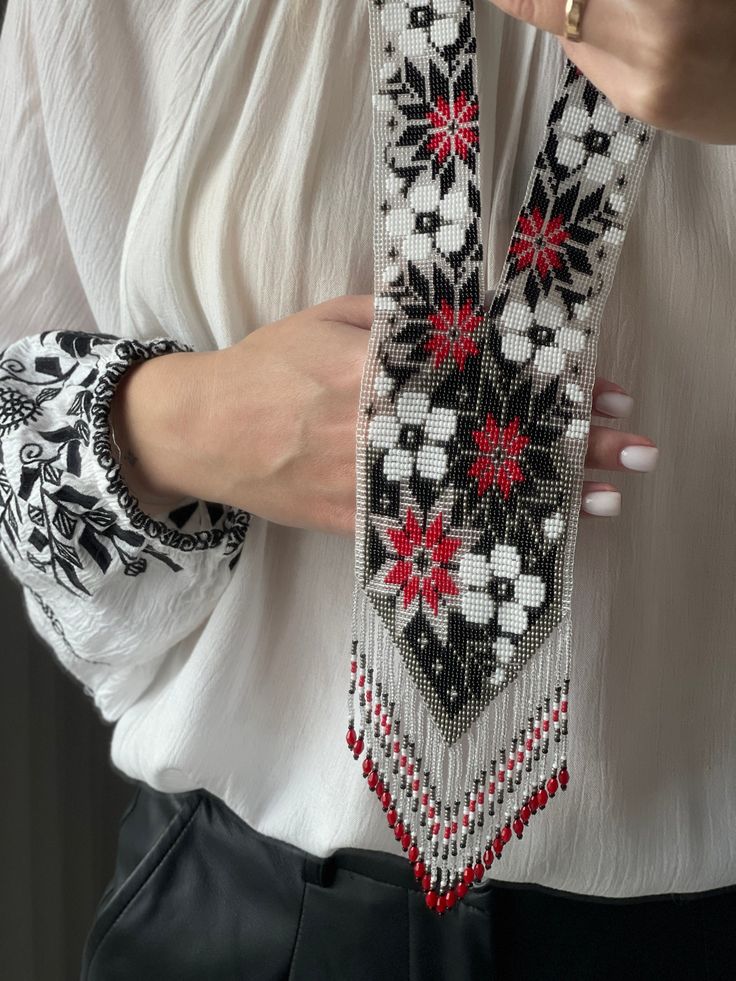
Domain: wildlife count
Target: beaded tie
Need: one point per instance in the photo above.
(472, 436)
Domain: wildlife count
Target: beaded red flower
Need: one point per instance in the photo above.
(538, 243)
(454, 128)
(422, 561)
(451, 334)
(497, 461)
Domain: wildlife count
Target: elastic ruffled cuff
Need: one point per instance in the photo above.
(224, 527)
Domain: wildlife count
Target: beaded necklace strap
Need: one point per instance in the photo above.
(471, 442)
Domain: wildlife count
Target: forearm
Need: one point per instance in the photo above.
(155, 417)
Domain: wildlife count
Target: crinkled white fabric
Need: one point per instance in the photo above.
(198, 168)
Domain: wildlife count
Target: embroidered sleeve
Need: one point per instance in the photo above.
(111, 588)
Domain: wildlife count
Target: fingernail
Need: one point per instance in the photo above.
(639, 457)
(603, 503)
(615, 404)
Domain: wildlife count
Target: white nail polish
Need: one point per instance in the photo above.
(641, 458)
(602, 503)
(615, 404)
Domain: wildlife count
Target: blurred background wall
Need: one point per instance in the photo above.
(61, 805)
(61, 802)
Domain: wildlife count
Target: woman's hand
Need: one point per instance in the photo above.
(612, 449)
(670, 63)
(269, 423)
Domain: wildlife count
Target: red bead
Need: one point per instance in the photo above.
(450, 898)
(398, 830)
(386, 799)
(419, 870)
(518, 827)
(542, 798)
(441, 905)
(564, 778)
(358, 748)
(479, 870)
(367, 765)
(426, 882)
(379, 788)
(461, 889)
(488, 858)
(506, 834)
(351, 737)
(392, 816)
(468, 875)
(525, 813)
(405, 840)
(372, 779)
(413, 854)
(498, 844)
(533, 804)
(552, 786)
(431, 899)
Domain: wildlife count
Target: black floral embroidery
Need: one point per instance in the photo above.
(55, 392)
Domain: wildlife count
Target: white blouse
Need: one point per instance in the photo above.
(186, 171)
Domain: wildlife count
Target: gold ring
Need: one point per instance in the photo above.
(573, 18)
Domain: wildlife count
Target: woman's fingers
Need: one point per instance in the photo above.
(599, 500)
(610, 400)
(609, 449)
(603, 21)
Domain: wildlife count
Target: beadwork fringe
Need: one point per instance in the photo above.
(454, 809)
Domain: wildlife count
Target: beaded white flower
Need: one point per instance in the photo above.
(543, 337)
(416, 436)
(429, 222)
(495, 586)
(595, 142)
(416, 24)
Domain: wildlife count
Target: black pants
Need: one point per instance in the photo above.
(198, 895)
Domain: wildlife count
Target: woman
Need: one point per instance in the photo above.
(197, 178)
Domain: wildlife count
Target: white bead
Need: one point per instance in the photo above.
(425, 197)
(623, 148)
(513, 618)
(606, 118)
(517, 317)
(554, 526)
(574, 392)
(383, 431)
(477, 607)
(412, 407)
(505, 561)
(441, 424)
(504, 650)
(575, 120)
(578, 429)
(432, 462)
(550, 360)
(516, 347)
(383, 384)
(474, 570)
(398, 464)
(549, 315)
(529, 590)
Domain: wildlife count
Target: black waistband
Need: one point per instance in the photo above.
(385, 867)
